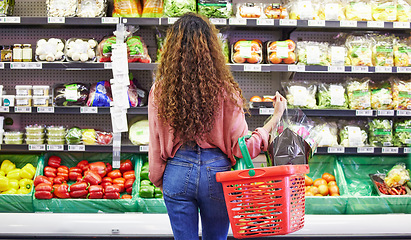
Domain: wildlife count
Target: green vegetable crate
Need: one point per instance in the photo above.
(20, 203)
(75, 205)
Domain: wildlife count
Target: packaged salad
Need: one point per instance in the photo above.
(328, 134)
(401, 93)
(152, 9)
(249, 10)
(358, 10)
(403, 11)
(160, 38)
(61, 8)
(352, 133)
(177, 8)
(331, 10)
(359, 94)
(91, 8)
(383, 54)
(6, 8)
(338, 55)
(223, 37)
(313, 53)
(402, 133)
(402, 53)
(380, 132)
(245, 51)
(304, 10)
(281, 52)
(215, 8)
(127, 8)
(275, 11)
(384, 10)
(332, 96)
(381, 97)
(300, 94)
(360, 49)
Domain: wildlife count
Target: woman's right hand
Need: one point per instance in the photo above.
(279, 104)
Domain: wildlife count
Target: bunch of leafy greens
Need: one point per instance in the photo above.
(380, 133)
(402, 134)
(332, 96)
(213, 9)
(177, 8)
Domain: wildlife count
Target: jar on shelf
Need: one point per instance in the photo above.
(17, 53)
(6, 54)
(27, 53)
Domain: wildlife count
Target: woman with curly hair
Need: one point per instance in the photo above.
(196, 115)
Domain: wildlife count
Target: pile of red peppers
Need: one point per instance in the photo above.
(96, 180)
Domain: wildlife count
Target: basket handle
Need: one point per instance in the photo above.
(244, 151)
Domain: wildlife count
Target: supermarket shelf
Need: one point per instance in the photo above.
(364, 150)
(69, 110)
(125, 148)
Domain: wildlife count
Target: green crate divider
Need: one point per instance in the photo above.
(75, 205)
(20, 203)
(327, 204)
(147, 205)
(363, 198)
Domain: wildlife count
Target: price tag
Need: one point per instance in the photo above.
(45, 109)
(296, 68)
(143, 148)
(26, 65)
(37, 147)
(4, 109)
(404, 69)
(77, 148)
(22, 109)
(55, 147)
(348, 24)
(171, 21)
(1, 65)
(363, 113)
(365, 150)
(316, 23)
(336, 68)
(12, 19)
(288, 22)
(56, 20)
(383, 69)
(266, 111)
(238, 21)
(108, 65)
(110, 20)
(389, 150)
(401, 25)
(407, 150)
(218, 21)
(2, 20)
(385, 112)
(359, 69)
(265, 22)
(252, 68)
(375, 24)
(89, 110)
(335, 150)
(403, 112)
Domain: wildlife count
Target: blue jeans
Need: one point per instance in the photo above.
(189, 184)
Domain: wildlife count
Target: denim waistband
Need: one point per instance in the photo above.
(192, 153)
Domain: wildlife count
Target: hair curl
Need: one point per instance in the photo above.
(192, 77)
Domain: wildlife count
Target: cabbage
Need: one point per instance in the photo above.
(139, 133)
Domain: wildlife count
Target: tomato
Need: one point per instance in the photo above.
(332, 183)
(268, 99)
(237, 44)
(314, 190)
(290, 44)
(290, 59)
(319, 181)
(237, 58)
(255, 58)
(328, 177)
(323, 188)
(308, 181)
(274, 59)
(256, 99)
(334, 190)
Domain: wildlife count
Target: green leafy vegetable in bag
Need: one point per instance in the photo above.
(380, 133)
(177, 8)
(402, 134)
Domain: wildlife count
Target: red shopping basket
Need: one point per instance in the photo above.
(264, 201)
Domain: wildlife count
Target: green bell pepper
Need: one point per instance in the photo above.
(158, 193)
(146, 191)
(145, 183)
(144, 174)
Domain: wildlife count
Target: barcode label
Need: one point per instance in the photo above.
(389, 150)
(266, 111)
(316, 23)
(37, 147)
(404, 69)
(383, 69)
(401, 25)
(403, 112)
(335, 150)
(26, 65)
(78, 148)
(55, 147)
(1, 65)
(363, 112)
(22, 109)
(218, 21)
(296, 68)
(375, 24)
(4, 109)
(348, 24)
(336, 69)
(385, 112)
(45, 109)
(143, 148)
(252, 68)
(288, 22)
(238, 21)
(359, 69)
(56, 20)
(12, 19)
(108, 65)
(89, 110)
(407, 150)
(110, 20)
(171, 21)
(265, 22)
(365, 150)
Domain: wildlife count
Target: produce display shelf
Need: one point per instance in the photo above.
(125, 148)
(396, 151)
(69, 110)
(72, 66)
(76, 21)
(336, 112)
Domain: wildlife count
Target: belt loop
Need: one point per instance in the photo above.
(198, 149)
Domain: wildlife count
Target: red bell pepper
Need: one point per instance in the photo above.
(128, 185)
(95, 192)
(43, 191)
(126, 196)
(104, 138)
(126, 165)
(63, 171)
(50, 172)
(62, 191)
(112, 192)
(54, 162)
(92, 177)
(79, 190)
(112, 195)
(75, 173)
(99, 168)
(109, 168)
(107, 179)
(59, 180)
(83, 165)
(120, 182)
(129, 175)
(114, 174)
(41, 179)
(104, 184)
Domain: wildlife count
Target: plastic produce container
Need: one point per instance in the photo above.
(8, 100)
(56, 131)
(13, 135)
(41, 90)
(24, 90)
(13, 140)
(34, 135)
(56, 141)
(41, 101)
(35, 140)
(23, 101)
(34, 129)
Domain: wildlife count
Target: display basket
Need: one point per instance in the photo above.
(264, 201)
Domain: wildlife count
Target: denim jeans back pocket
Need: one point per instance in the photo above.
(215, 188)
(176, 177)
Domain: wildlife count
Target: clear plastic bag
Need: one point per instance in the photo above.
(401, 93)
(100, 94)
(215, 8)
(61, 8)
(381, 96)
(249, 10)
(332, 96)
(402, 53)
(177, 8)
(91, 8)
(359, 94)
(313, 53)
(384, 10)
(352, 133)
(358, 10)
(331, 10)
(360, 49)
(304, 10)
(223, 37)
(403, 11)
(380, 132)
(338, 55)
(383, 54)
(6, 8)
(245, 51)
(50, 50)
(152, 9)
(402, 133)
(281, 52)
(275, 11)
(81, 49)
(328, 133)
(160, 38)
(300, 94)
(127, 8)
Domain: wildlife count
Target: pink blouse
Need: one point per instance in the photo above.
(229, 125)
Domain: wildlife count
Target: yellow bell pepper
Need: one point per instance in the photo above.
(14, 174)
(7, 166)
(23, 191)
(2, 173)
(4, 183)
(14, 184)
(10, 191)
(28, 171)
(26, 184)
(89, 136)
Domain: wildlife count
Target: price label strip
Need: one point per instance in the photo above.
(316, 23)
(266, 111)
(26, 65)
(348, 23)
(359, 69)
(252, 68)
(296, 68)
(218, 21)
(77, 148)
(92, 110)
(12, 20)
(401, 24)
(407, 150)
(22, 109)
(403, 112)
(4, 109)
(55, 147)
(143, 148)
(335, 150)
(108, 65)
(1, 65)
(363, 112)
(375, 24)
(336, 69)
(59, 20)
(110, 20)
(381, 69)
(404, 69)
(171, 21)
(45, 109)
(37, 147)
(390, 150)
(385, 112)
(265, 22)
(288, 22)
(237, 21)
(365, 150)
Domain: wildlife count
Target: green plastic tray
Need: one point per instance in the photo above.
(71, 205)
(20, 203)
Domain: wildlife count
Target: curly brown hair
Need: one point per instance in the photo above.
(192, 78)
